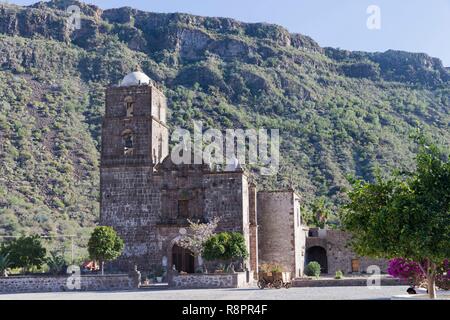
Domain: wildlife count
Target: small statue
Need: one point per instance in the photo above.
(136, 275)
(174, 271)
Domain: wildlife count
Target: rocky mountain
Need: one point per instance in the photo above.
(339, 112)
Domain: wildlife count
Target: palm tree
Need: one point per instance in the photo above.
(5, 263)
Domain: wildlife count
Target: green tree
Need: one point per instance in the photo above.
(226, 246)
(407, 215)
(104, 245)
(25, 252)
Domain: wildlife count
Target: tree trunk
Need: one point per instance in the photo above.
(103, 267)
(431, 279)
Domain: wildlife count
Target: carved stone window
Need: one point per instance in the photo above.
(183, 208)
(127, 141)
(129, 106)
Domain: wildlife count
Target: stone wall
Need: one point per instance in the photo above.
(130, 203)
(227, 197)
(213, 280)
(348, 282)
(339, 255)
(18, 284)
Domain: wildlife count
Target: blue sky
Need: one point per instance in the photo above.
(411, 25)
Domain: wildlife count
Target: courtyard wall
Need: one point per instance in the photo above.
(339, 254)
(45, 283)
(213, 280)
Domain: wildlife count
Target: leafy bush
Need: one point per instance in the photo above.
(25, 252)
(313, 269)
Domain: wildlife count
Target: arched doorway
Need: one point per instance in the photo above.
(318, 254)
(183, 259)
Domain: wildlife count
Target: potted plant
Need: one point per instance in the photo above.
(220, 268)
(159, 276)
(271, 270)
(199, 270)
(338, 275)
(277, 268)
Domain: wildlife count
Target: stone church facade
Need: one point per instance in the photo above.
(148, 199)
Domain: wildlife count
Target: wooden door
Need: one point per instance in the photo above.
(183, 259)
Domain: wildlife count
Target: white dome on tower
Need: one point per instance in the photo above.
(134, 79)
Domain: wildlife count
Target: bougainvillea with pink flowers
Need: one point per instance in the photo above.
(411, 270)
(443, 275)
(406, 269)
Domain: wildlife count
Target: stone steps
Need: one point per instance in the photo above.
(154, 286)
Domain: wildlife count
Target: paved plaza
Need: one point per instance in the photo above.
(322, 293)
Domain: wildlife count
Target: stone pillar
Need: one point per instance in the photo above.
(253, 228)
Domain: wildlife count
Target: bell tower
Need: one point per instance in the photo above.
(134, 128)
(134, 139)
